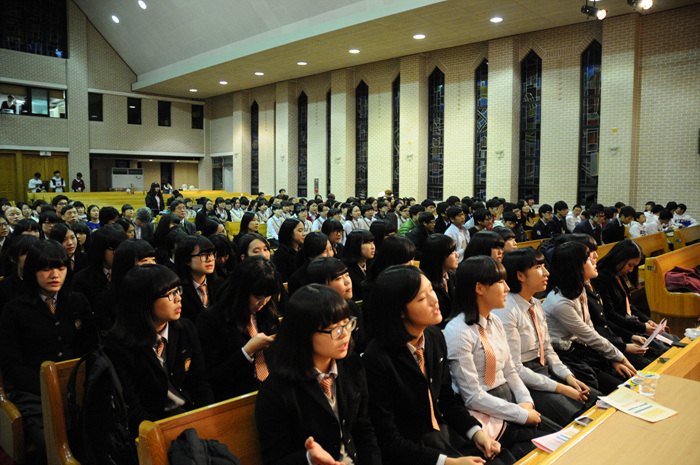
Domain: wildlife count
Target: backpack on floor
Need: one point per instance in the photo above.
(99, 430)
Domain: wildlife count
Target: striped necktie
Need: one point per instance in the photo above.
(489, 359)
(259, 357)
(421, 364)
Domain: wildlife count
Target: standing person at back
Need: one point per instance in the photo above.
(78, 185)
(35, 184)
(57, 183)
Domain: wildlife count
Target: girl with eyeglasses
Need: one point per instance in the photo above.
(195, 264)
(236, 332)
(313, 406)
(155, 353)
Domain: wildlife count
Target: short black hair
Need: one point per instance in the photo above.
(544, 208)
(480, 269)
(567, 269)
(560, 205)
(520, 260)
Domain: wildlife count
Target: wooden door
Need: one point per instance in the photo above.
(8, 175)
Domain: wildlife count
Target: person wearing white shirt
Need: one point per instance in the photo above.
(322, 215)
(637, 227)
(35, 184)
(573, 217)
(354, 222)
(274, 223)
(57, 183)
(457, 231)
(681, 217)
(536, 362)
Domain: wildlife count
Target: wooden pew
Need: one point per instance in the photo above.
(54, 406)
(683, 362)
(231, 422)
(681, 309)
(653, 244)
(11, 427)
(686, 236)
(534, 244)
(232, 228)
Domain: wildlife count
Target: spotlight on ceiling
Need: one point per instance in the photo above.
(643, 4)
(594, 12)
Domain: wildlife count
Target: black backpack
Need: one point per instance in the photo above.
(99, 430)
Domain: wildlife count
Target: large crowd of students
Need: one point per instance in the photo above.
(358, 356)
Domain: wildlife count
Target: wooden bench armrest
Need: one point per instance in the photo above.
(11, 427)
(58, 450)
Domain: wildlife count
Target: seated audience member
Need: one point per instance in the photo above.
(573, 218)
(219, 211)
(212, 226)
(637, 227)
(442, 222)
(508, 237)
(253, 244)
(195, 262)
(236, 331)
(558, 223)
(334, 230)
(683, 218)
(130, 253)
(659, 220)
(167, 223)
(423, 229)
(483, 221)
(14, 267)
(480, 361)
(414, 212)
(671, 206)
(143, 227)
(128, 212)
(486, 243)
(402, 213)
(45, 322)
(457, 230)
(274, 223)
(557, 393)
(320, 218)
(234, 210)
(82, 233)
(26, 210)
(13, 215)
(592, 358)
(302, 214)
(381, 229)
(355, 221)
(69, 215)
(47, 220)
(473, 209)
(439, 265)
(58, 202)
(287, 258)
(93, 217)
(249, 224)
(165, 254)
(316, 245)
(127, 226)
(27, 227)
(66, 237)
(94, 278)
(155, 353)
(541, 230)
(313, 406)
(511, 221)
(406, 365)
(648, 207)
(204, 213)
(225, 256)
(591, 226)
(614, 231)
(179, 209)
(495, 208)
(367, 215)
(358, 251)
(108, 215)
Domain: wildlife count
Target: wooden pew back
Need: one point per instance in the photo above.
(231, 422)
(534, 244)
(11, 427)
(653, 244)
(686, 236)
(54, 406)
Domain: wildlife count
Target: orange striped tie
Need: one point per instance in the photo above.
(326, 385)
(259, 357)
(489, 359)
(421, 364)
(203, 294)
(627, 299)
(161, 346)
(51, 302)
(539, 333)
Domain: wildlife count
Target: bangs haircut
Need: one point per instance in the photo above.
(314, 245)
(245, 241)
(481, 269)
(323, 270)
(520, 260)
(584, 239)
(107, 237)
(394, 288)
(352, 252)
(396, 250)
(20, 246)
(436, 249)
(25, 225)
(566, 271)
(126, 255)
(482, 243)
(184, 250)
(331, 225)
(505, 232)
(312, 308)
(59, 231)
(381, 230)
(619, 255)
(43, 255)
(287, 231)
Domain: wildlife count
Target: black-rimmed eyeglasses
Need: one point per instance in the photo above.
(204, 256)
(337, 332)
(172, 294)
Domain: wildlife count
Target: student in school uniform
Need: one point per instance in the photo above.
(316, 245)
(359, 249)
(154, 199)
(11, 284)
(320, 217)
(335, 232)
(541, 230)
(45, 322)
(236, 332)
(355, 221)
(424, 228)
(614, 231)
(483, 221)
(195, 263)
(274, 223)
(682, 217)
(558, 223)
(439, 263)
(487, 243)
(457, 230)
(591, 226)
(287, 258)
(155, 353)
(637, 226)
(66, 237)
(418, 418)
(313, 406)
(573, 218)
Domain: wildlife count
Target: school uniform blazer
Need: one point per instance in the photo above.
(152, 203)
(230, 373)
(147, 232)
(288, 412)
(31, 334)
(540, 230)
(191, 302)
(357, 276)
(9, 287)
(188, 226)
(614, 231)
(557, 226)
(445, 299)
(615, 304)
(585, 227)
(145, 381)
(399, 404)
(90, 283)
(287, 261)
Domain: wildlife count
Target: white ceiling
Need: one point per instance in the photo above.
(175, 45)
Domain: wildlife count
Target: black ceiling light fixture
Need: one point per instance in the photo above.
(593, 12)
(640, 4)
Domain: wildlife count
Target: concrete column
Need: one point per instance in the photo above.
(343, 133)
(241, 142)
(413, 163)
(286, 130)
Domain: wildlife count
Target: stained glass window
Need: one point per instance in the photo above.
(481, 79)
(254, 179)
(302, 114)
(396, 148)
(530, 123)
(590, 124)
(361, 128)
(436, 133)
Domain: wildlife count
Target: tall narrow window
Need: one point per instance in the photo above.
(590, 124)
(302, 115)
(94, 107)
(482, 82)
(530, 118)
(328, 140)
(133, 110)
(254, 180)
(361, 127)
(197, 116)
(396, 126)
(163, 113)
(436, 133)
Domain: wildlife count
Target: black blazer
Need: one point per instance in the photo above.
(614, 231)
(192, 304)
(188, 226)
(145, 381)
(90, 283)
(445, 299)
(418, 236)
(540, 231)
(287, 260)
(31, 334)
(399, 404)
(585, 227)
(288, 412)
(615, 305)
(230, 372)
(357, 276)
(557, 226)
(147, 231)
(153, 204)
(9, 287)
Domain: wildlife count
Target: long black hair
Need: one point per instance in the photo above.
(183, 253)
(43, 255)
(126, 256)
(436, 249)
(396, 250)
(352, 252)
(567, 275)
(480, 269)
(394, 288)
(620, 254)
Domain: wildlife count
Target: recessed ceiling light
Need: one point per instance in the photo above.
(132, 106)
(150, 160)
(354, 50)
(223, 83)
(142, 4)
(115, 19)
(259, 73)
(419, 36)
(193, 90)
(496, 19)
(302, 63)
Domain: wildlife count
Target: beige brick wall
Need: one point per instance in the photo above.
(316, 88)
(107, 69)
(286, 130)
